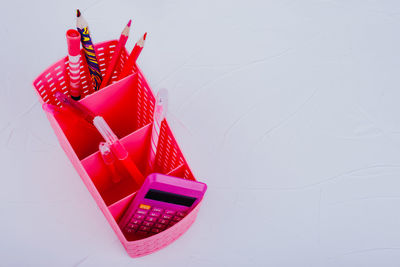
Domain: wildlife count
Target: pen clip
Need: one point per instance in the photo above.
(161, 106)
(50, 109)
(106, 154)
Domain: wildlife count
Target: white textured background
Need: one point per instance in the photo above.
(288, 110)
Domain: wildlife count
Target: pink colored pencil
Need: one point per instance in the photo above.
(133, 57)
(121, 44)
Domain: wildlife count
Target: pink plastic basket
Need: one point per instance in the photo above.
(127, 106)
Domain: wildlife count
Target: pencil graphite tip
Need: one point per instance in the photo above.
(129, 23)
(78, 13)
(144, 36)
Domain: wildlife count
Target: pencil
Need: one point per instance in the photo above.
(88, 48)
(121, 44)
(133, 57)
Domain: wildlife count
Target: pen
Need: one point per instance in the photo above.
(160, 109)
(108, 158)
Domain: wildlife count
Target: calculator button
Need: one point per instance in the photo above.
(135, 221)
(159, 225)
(180, 214)
(157, 209)
(166, 217)
(130, 230)
(162, 221)
(151, 219)
(132, 226)
(141, 211)
(155, 230)
(169, 212)
(144, 228)
(149, 224)
(177, 219)
(144, 206)
(138, 217)
(155, 214)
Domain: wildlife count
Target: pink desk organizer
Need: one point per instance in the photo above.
(127, 105)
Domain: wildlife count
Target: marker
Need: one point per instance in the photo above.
(74, 46)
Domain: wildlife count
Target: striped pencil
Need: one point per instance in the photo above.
(121, 44)
(133, 57)
(90, 53)
(160, 109)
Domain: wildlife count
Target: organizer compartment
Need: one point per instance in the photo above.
(114, 103)
(121, 205)
(178, 171)
(127, 105)
(83, 141)
(117, 209)
(136, 144)
(56, 77)
(169, 156)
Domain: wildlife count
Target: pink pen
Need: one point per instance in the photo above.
(109, 160)
(76, 107)
(118, 149)
(74, 42)
(160, 109)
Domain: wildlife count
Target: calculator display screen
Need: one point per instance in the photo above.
(170, 197)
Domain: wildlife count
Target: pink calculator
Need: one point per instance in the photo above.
(161, 202)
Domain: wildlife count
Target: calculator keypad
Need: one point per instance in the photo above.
(149, 220)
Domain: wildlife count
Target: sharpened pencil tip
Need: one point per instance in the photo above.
(78, 13)
(129, 23)
(144, 36)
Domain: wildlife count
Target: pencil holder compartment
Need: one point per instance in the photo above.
(127, 106)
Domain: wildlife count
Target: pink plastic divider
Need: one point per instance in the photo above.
(178, 171)
(136, 144)
(114, 103)
(119, 207)
(127, 105)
